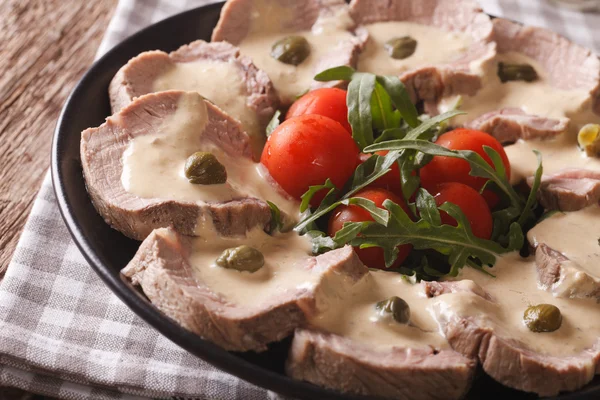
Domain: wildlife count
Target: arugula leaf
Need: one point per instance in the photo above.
(312, 190)
(411, 160)
(371, 170)
(527, 214)
(479, 167)
(279, 221)
(380, 215)
(349, 231)
(358, 99)
(382, 109)
(401, 99)
(428, 208)
(276, 223)
(321, 243)
(273, 123)
(458, 242)
(391, 134)
(429, 124)
(341, 73)
(496, 161)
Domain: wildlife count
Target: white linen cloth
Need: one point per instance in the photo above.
(62, 331)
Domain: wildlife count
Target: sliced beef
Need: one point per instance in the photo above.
(136, 78)
(234, 24)
(568, 65)
(510, 124)
(340, 363)
(557, 273)
(161, 267)
(431, 83)
(301, 15)
(101, 154)
(510, 362)
(569, 190)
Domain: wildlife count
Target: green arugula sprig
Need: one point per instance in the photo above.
(370, 99)
(383, 117)
(520, 211)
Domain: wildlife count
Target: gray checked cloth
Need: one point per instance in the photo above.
(64, 334)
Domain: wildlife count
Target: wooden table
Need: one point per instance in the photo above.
(45, 47)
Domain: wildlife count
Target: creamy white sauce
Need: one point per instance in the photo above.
(290, 80)
(287, 267)
(153, 164)
(356, 317)
(434, 46)
(513, 290)
(222, 83)
(538, 97)
(576, 235)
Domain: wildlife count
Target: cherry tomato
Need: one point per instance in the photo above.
(373, 256)
(448, 169)
(329, 102)
(391, 180)
(472, 204)
(305, 151)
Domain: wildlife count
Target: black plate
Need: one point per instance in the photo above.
(108, 251)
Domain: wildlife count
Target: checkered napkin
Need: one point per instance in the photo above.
(64, 334)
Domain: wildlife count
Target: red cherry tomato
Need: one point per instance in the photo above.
(472, 204)
(305, 151)
(329, 102)
(447, 169)
(372, 257)
(391, 180)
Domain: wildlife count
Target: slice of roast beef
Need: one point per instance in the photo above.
(142, 73)
(340, 363)
(468, 322)
(289, 17)
(569, 190)
(102, 151)
(510, 124)
(568, 66)
(558, 274)
(432, 82)
(162, 268)
(355, 347)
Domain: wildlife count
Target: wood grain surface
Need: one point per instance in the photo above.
(45, 47)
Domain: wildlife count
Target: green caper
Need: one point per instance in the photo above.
(400, 48)
(241, 258)
(542, 318)
(516, 72)
(395, 306)
(203, 168)
(291, 50)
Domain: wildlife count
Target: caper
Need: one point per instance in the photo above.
(400, 48)
(203, 168)
(241, 258)
(397, 307)
(542, 318)
(291, 50)
(516, 72)
(589, 139)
